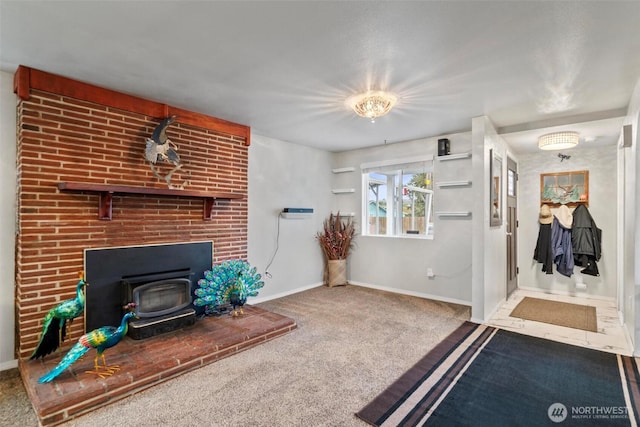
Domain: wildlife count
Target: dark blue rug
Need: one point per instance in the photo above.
(483, 376)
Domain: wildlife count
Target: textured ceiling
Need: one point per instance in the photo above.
(286, 68)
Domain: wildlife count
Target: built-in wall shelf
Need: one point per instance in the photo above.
(453, 157)
(454, 214)
(343, 170)
(446, 184)
(343, 190)
(107, 191)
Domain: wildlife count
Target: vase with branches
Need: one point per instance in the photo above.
(336, 241)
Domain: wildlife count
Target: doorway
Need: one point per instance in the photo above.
(512, 226)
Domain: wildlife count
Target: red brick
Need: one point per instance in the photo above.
(82, 141)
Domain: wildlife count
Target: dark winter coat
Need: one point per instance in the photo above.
(586, 236)
(586, 240)
(543, 252)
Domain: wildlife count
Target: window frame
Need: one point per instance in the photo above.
(395, 169)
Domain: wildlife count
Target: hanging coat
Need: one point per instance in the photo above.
(586, 241)
(543, 253)
(562, 249)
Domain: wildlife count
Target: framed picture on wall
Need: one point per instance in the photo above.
(495, 202)
(564, 188)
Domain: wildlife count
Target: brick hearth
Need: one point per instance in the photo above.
(145, 363)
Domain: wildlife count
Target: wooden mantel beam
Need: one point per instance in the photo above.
(27, 78)
(106, 193)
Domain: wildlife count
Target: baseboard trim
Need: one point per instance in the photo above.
(11, 364)
(412, 293)
(258, 300)
(495, 310)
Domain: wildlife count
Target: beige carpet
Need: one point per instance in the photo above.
(575, 316)
(350, 344)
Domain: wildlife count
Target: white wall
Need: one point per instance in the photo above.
(489, 243)
(399, 263)
(602, 166)
(7, 219)
(283, 175)
(630, 263)
(626, 229)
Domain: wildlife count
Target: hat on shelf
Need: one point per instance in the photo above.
(565, 218)
(545, 215)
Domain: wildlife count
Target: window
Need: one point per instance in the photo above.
(398, 198)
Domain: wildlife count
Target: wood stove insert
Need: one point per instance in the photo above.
(162, 302)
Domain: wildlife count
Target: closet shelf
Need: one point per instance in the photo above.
(453, 183)
(454, 214)
(453, 157)
(342, 170)
(343, 190)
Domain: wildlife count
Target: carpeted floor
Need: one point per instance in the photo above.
(351, 343)
(558, 313)
(15, 407)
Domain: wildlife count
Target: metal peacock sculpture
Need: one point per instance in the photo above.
(229, 282)
(100, 339)
(54, 329)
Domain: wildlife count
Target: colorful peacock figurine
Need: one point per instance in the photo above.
(228, 282)
(54, 329)
(100, 339)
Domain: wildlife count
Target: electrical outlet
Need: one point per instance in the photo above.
(430, 272)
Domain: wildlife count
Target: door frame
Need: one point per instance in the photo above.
(511, 217)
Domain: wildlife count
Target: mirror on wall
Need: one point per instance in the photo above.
(495, 169)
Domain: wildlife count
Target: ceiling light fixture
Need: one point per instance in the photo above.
(558, 140)
(372, 104)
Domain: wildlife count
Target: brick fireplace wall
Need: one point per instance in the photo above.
(74, 132)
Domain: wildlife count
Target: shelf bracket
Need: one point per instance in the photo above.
(208, 207)
(105, 205)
